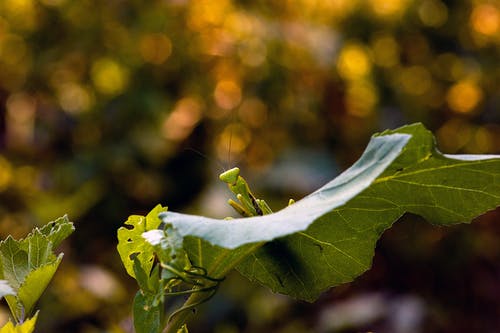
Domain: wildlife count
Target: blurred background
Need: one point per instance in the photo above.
(110, 107)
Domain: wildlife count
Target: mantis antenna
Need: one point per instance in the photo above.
(247, 205)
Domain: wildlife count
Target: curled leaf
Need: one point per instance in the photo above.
(328, 238)
(379, 154)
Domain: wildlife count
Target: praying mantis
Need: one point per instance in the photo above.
(248, 204)
(173, 273)
(196, 278)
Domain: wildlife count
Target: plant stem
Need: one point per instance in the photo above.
(229, 260)
(179, 319)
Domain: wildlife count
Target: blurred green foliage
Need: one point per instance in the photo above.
(109, 107)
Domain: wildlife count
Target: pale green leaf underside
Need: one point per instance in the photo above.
(6, 289)
(328, 238)
(379, 154)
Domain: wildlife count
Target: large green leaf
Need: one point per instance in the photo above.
(328, 238)
(339, 246)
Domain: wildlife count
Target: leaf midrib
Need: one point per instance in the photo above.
(442, 167)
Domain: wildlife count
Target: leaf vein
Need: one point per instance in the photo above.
(456, 188)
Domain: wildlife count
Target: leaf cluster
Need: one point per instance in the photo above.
(27, 266)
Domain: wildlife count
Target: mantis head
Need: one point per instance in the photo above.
(230, 176)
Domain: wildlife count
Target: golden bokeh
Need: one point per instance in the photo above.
(253, 52)
(361, 98)
(459, 136)
(205, 13)
(74, 98)
(109, 77)
(485, 19)
(454, 135)
(433, 13)
(323, 11)
(464, 96)
(482, 141)
(253, 112)
(26, 179)
(20, 121)
(13, 49)
(354, 61)
(232, 141)
(448, 66)
(182, 120)
(155, 48)
(20, 12)
(227, 94)
(415, 80)
(388, 9)
(385, 50)
(5, 173)
(54, 3)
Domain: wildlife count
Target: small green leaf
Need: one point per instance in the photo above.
(14, 262)
(58, 230)
(141, 277)
(131, 244)
(183, 329)
(27, 327)
(35, 283)
(39, 249)
(147, 316)
(29, 264)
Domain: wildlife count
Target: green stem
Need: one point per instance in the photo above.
(229, 260)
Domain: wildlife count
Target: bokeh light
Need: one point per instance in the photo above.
(5, 173)
(485, 19)
(390, 9)
(109, 77)
(385, 50)
(464, 96)
(227, 94)
(179, 124)
(415, 80)
(433, 13)
(155, 48)
(354, 61)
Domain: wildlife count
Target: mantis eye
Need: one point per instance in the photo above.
(230, 176)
